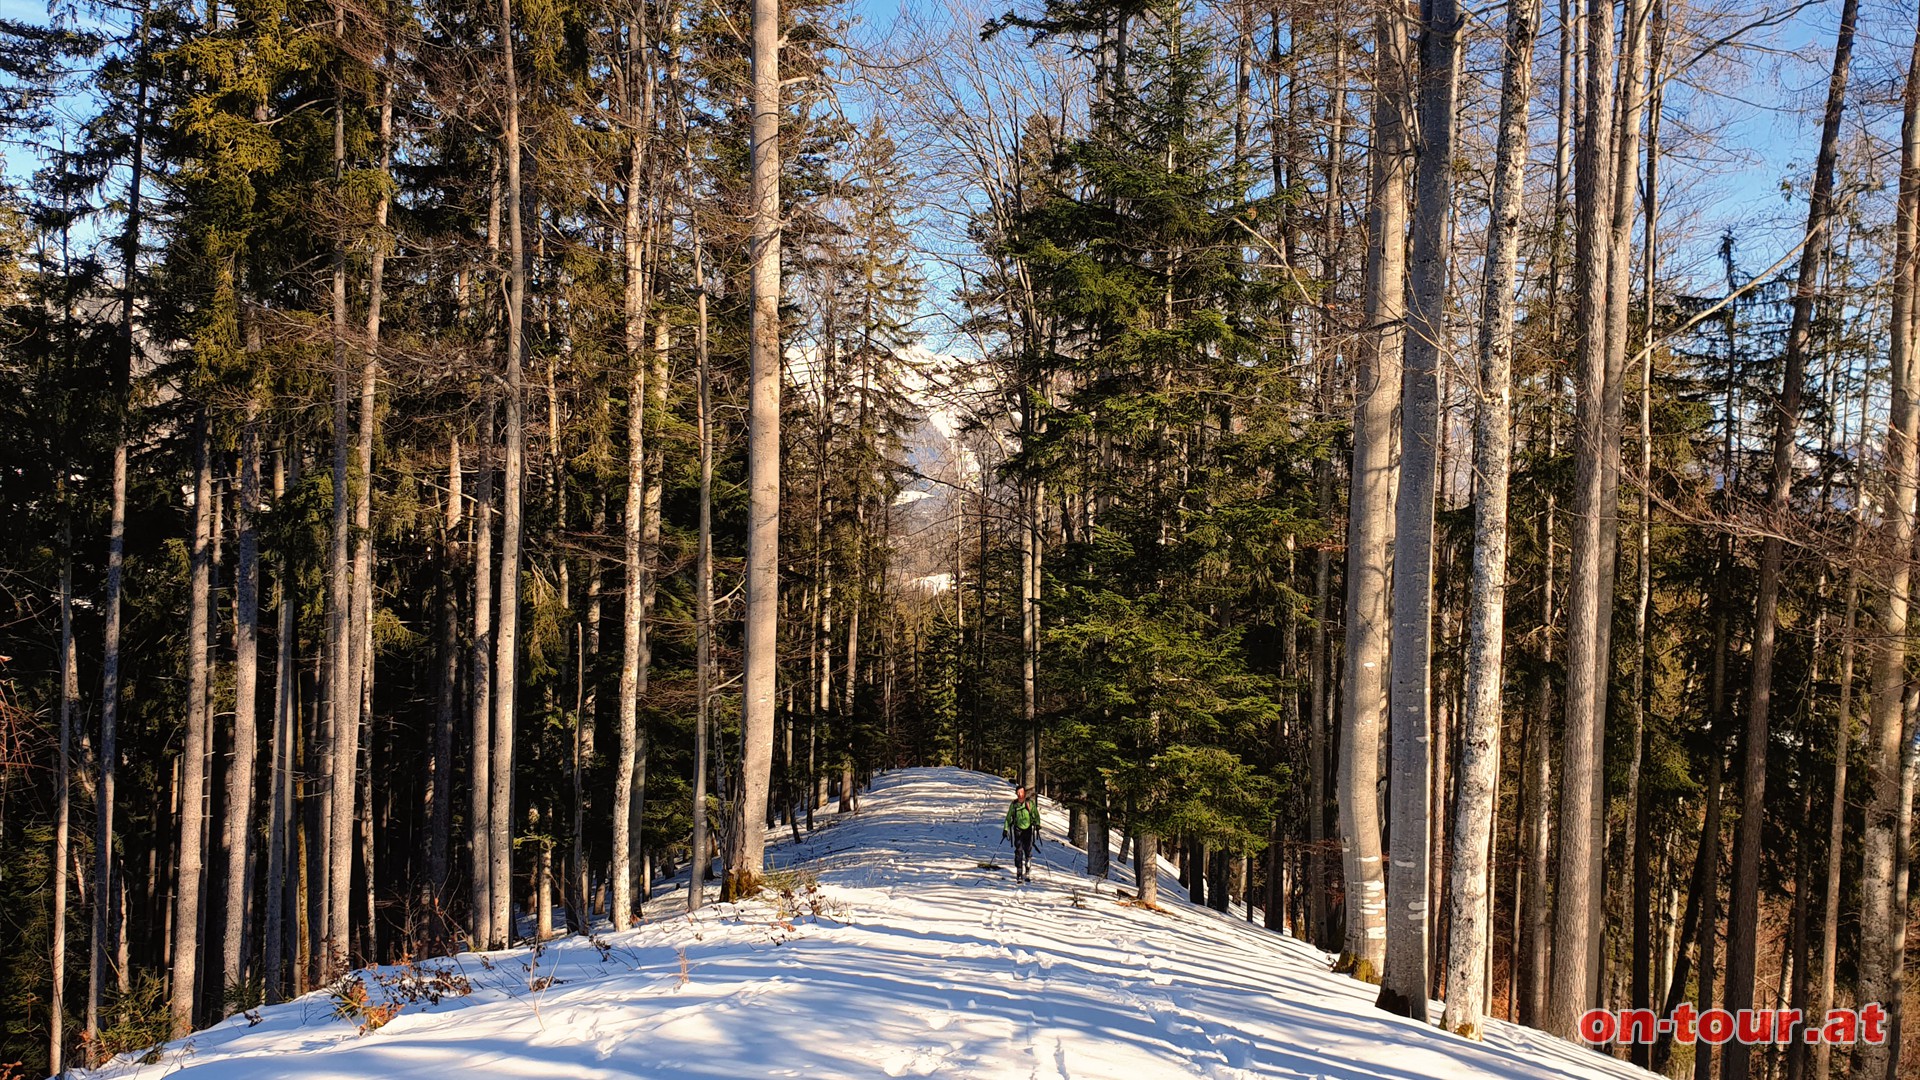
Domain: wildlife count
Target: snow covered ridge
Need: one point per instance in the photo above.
(915, 955)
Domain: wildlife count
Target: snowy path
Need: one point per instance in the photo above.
(923, 964)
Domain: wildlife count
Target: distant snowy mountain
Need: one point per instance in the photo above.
(913, 954)
(959, 431)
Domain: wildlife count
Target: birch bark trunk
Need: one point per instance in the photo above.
(633, 624)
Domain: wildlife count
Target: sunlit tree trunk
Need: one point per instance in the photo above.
(188, 860)
(363, 613)
(246, 669)
(1880, 857)
(1370, 505)
(1630, 97)
(1573, 961)
(340, 739)
(440, 784)
(480, 767)
(1403, 982)
(635, 299)
(62, 784)
(763, 465)
(1477, 807)
(1638, 836)
(513, 469)
(1146, 869)
(280, 822)
(703, 590)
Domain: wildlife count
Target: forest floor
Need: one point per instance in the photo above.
(898, 945)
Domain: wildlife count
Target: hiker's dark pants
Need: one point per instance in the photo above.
(1022, 849)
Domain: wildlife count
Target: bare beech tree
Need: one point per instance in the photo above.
(1403, 982)
(1573, 930)
(1477, 810)
(1370, 504)
(759, 673)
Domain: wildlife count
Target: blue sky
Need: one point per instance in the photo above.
(1761, 117)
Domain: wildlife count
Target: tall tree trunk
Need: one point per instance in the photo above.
(1710, 827)
(1689, 927)
(356, 738)
(1630, 101)
(1099, 838)
(635, 300)
(1146, 870)
(650, 525)
(480, 769)
(1640, 967)
(440, 782)
(763, 465)
(1537, 921)
(1796, 960)
(285, 734)
(340, 740)
(1836, 823)
(105, 934)
(1320, 694)
(246, 668)
(507, 635)
(187, 911)
(1877, 964)
(1030, 526)
(1370, 506)
(1319, 924)
(363, 605)
(703, 583)
(1743, 914)
(580, 902)
(573, 886)
(62, 784)
(1573, 962)
(1403, 983)
(369, 931)
(1477, 808)
(1903, 867)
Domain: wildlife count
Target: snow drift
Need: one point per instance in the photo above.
(912, 955)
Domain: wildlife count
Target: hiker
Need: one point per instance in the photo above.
(1023, 826)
